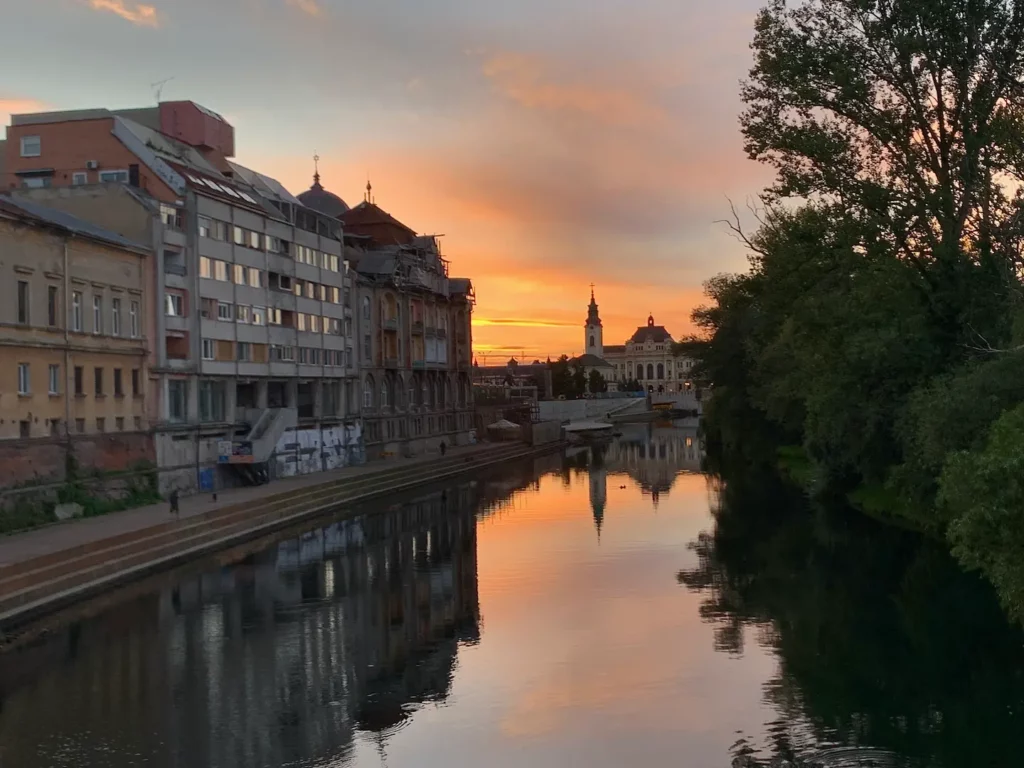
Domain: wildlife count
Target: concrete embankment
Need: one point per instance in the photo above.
(55, 577)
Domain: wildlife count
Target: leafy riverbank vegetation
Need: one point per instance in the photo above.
(878, 336)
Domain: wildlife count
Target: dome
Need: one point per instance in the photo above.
(319, 199)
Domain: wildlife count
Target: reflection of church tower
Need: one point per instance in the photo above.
(594, 332)
(598, 493)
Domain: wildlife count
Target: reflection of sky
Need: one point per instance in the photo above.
(590, 652)
(578, 141)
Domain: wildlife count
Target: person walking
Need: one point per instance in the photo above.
(443, 448)
(174, 502)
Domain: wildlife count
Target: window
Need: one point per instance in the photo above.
(335, 295)
(115, 317)
(367, 348)
(366, 308)
(205, 226)
(101, 424)
(310, 290)
(31, 146)
(136, 390)
(107, 177)
(273, 316)
(80, 426)
(119, 423)
(283, 354)
(239, 235)
(220, 270)
(133, 316)
(79, 380)
(238, 274)
(24, 381)
(225, 311)
(177, 400)
(255, 278)
(297, 287)
(331, 262)
(273, 244)
(118, 385)
(97, 314)
(211, 400)
(51, 306)
(321, 292)
(300, 321)
(259, 315)
(242, 313)
(205, 266)
(22, 302)
(171, 216)
(243, 352)
(175, 305)
(54, 379)
(254, 240)
(138, 423)
(54, 427)
(208, 349)
(24, 429)
(314, 323)
(97, 374)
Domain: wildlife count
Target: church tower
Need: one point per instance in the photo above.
(594, 339)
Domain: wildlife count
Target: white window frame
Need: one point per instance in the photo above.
(133, 316)
(78, 178)
(24, 379)
(76, 311)
(259, 315)
(55, 379)
(25, 142)
(174, 305)
(97, 314)
(225, 311)
(115, 317)
(243, 352)
(211, 345)
(120, 176)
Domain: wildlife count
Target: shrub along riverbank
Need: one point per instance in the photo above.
(878, 337)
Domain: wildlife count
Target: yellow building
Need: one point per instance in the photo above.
(73, 340)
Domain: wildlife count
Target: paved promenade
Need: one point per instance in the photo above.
(17, 547)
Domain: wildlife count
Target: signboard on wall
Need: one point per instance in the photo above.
(234, 452)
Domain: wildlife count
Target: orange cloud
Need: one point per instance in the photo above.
(12, 105)
(139, 14)
(311, 7)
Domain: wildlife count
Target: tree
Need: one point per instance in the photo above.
(579, 381)
(596, 383)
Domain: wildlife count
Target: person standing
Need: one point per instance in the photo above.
(443, 448)
(174, 502)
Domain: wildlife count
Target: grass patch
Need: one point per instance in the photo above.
(795, 464)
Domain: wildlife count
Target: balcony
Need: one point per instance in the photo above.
(430, 331)
(419, 365)
(389, 324)
(417, 327)
(390, 362)
(442, 333)
(172, 268)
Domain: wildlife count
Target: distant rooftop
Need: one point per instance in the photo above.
(66, 222)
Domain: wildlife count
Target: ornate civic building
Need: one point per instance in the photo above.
(647, 356)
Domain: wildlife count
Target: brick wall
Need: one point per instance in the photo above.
(45, 460)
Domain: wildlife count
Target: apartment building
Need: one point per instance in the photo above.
(415, 336)
(253, 354)
(72, 327)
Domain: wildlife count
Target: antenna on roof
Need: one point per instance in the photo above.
(158, 87)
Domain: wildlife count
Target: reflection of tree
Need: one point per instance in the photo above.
(882, 641)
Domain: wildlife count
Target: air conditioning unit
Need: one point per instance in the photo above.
(92, 165)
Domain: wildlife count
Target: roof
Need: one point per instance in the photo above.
(650, 332)
(460, 285)
(73, 225)
(320, 199)
(170, 149)
(263, 183)
(614, 348)
(591, 361)
(369, 219)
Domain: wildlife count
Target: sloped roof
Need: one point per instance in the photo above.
(369, 219)
(650, 332)
(66, 222)
(591, 361)
(322, 200)
(614, 348)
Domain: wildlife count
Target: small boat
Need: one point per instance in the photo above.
(587, 431)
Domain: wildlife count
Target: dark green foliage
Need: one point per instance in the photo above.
(596, 383)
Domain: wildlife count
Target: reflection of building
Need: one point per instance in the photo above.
(647, 356)
(598, 493)
(278, 660)
(655, 456)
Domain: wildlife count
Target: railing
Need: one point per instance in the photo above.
(417, 326)
(442, 333)
(431, 330)
(419, 365)
(175, 269)
(389, 324)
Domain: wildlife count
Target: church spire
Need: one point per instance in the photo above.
(593, 318)
(316, 170)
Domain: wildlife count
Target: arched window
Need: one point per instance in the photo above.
(639, 373)
(368, 392)
(650, 371)
(631, 370)
(591, 340)
(384, 394)
(661, 370)
(366, 307)
(425, 397)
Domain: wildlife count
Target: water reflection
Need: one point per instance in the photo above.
(278, 660)
(888, 653)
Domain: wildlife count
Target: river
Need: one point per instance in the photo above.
(610, 607)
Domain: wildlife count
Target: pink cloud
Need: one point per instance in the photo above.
(139, 14)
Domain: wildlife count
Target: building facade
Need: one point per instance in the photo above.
(647, 357)
(73, 332)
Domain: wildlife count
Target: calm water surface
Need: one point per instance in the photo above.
(606, 608)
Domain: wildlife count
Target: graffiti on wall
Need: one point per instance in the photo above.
(306, 451)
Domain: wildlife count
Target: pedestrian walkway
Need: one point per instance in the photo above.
(18, 547)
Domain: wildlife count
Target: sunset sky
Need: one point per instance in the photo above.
(553, 143)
